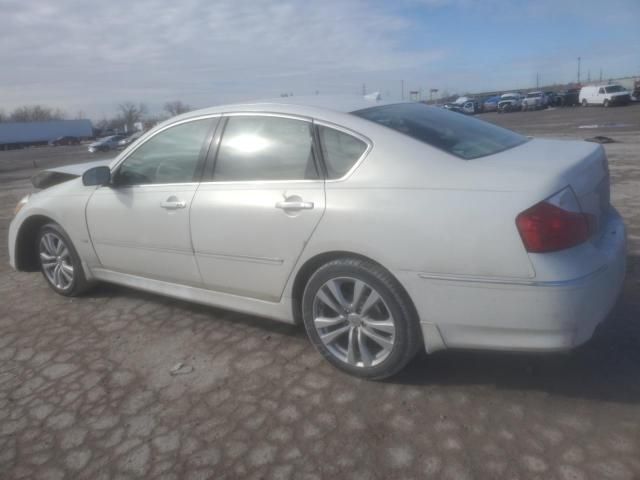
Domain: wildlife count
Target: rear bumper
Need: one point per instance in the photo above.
(527, 315)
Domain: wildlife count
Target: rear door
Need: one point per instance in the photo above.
(265, 195)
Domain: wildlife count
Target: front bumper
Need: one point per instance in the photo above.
(530, 315)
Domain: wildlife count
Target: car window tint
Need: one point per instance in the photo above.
(340, 151)
(170, 156)
(460, 135)
(265, 148)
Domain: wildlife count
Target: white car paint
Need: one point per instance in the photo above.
(444, 227)
(603, 95)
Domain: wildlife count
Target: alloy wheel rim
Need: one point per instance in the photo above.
(56, 262)
(354, 322)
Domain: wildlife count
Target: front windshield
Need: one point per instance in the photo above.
(460, 135)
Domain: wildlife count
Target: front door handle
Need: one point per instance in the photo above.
(172, 203)
(294, 205)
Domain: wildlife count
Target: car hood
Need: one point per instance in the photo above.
(53, 176)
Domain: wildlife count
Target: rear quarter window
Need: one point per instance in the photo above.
(465, 137)
(340, 151)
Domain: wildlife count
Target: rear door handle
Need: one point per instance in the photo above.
(294, 205)
(173, 204)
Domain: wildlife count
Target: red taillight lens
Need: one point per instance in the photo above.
(548, 228)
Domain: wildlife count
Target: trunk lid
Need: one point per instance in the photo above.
(547, 166)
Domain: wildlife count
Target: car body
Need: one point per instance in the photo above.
(491, 104)
(466, 105)
(605, 95)
(430, 229)
(129, 139)
(106, 143)
(66, 140)
(534, 101)
(569, 98)
(510, 102)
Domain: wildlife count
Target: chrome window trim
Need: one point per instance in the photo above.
(144, 139)
(249, 113)
(353, 133)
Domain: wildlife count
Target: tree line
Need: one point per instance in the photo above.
(129, 113)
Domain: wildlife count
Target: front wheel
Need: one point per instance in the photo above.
(360, 319)
(605, 104)
(59, 261)
(585, 103)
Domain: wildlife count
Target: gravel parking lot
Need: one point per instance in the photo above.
(86, 389)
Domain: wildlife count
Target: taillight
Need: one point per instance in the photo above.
(554, 224)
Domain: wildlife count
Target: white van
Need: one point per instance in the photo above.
(604, 95)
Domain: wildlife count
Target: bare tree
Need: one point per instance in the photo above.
(176, 107)
(36, 113)
(131, 113)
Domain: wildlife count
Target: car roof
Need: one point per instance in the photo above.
(314, 106)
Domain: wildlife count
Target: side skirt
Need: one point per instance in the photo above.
(277, 311)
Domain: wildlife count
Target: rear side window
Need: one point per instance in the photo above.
(340, 151)
(265, 148)
(460, 135)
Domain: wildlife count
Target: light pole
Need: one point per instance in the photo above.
(578, 70)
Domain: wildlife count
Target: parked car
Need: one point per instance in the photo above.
(106, 143)
(66, 140)
(491, 104)
(552, 99)
(605, 95)
(570, 97)
(510, 102)
(129, 139)
(383, 228)
(465, 105)
(534, 101)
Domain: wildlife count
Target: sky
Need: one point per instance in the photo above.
(87, 57)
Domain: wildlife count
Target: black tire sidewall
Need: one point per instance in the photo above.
(79, 283)
(407, 328)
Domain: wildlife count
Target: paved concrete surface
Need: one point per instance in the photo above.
(86, 389)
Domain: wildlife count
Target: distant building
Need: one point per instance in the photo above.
(17, 134)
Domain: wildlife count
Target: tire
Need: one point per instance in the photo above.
(605, 104)
(59, 262)
(373, 334)
(585, 103)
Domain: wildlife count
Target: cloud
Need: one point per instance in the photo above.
(68, 52)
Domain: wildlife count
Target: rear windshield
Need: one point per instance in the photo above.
(614, 89)
(462, 136)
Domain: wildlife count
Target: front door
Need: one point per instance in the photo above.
(140, 224)
(251, 221)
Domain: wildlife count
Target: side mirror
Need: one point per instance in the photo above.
(99, 176)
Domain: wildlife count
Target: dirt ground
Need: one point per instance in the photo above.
(86, 389)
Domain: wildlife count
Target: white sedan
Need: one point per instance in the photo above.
(383, 228)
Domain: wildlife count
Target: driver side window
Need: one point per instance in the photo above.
(170, 156)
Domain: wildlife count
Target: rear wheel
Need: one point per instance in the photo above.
(59, 261)
(360, 319)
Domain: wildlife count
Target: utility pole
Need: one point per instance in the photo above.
(364, 89)
(537, 81)
(402, 89)
(588, 76)
(578, 69)
(601, 75)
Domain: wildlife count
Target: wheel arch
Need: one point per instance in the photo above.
(26, 255)
(312, 264)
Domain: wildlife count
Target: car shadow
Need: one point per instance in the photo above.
(605, 368)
